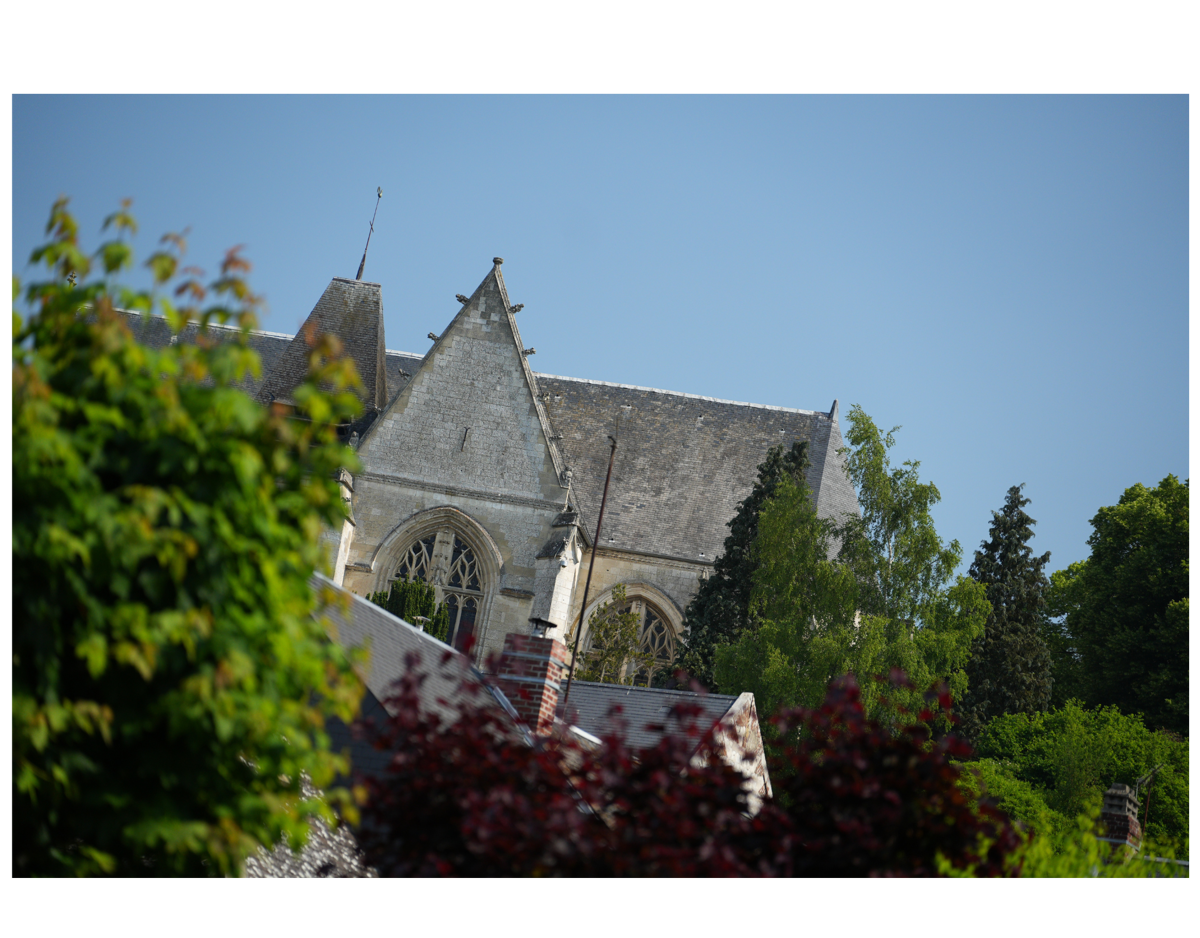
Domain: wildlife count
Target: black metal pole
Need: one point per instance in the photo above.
(587, 584)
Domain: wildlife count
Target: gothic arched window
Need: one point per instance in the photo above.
(447, 562)
(656, 639)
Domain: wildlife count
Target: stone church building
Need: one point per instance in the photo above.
(485, 478)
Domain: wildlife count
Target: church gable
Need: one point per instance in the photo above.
(468, 415)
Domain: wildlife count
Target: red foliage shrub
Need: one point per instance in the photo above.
(474, 797)
(867, 800)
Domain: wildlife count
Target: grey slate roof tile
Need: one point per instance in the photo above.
(592, 709)
(683, 462)
(353, 311)
(451, 681)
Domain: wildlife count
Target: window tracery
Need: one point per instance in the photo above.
(448, 563)
(417, 561)
(656, 638)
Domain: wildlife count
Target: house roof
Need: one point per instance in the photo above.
(451, 682)
(643, 711)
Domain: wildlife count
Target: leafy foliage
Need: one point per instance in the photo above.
(614, 655)
(470, 797)
(803, 608)
(1080, 853)
(894, 549)
(720, 610)
(166, 664)
(865, 797)
(1009, 668)
(1068, 680)
(1126, 606)
(887, 603)
(916, 615)
(413, 599)
(1067, 757)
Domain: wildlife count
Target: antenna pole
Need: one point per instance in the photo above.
(363, 262)
(587, 584)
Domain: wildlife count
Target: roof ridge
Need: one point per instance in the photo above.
(212, 325)
(657, 690)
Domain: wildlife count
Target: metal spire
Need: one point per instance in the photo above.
(363, 263)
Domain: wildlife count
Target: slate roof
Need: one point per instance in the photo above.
(353, 311)
(592, 709)
(156, 333)
(683, 462)
(451, 681)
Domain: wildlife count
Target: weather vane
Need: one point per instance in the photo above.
(363, 263)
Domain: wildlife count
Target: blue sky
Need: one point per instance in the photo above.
(1004, 277)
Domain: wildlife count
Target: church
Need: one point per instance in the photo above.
(484, 478)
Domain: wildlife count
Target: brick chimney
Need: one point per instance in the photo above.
(530, 670)
(1119, 817)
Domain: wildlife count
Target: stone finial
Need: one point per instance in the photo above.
(497, 261)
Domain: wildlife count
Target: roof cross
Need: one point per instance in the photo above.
(363, 262)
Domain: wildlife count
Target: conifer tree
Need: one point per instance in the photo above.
(1010, 669)
(719, 612)
(413, 599)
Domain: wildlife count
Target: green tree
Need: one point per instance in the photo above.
(890, 601)
(803, 608)
(1047, 769)
(1009, 668)
(614, 653)
(170, 684)
(720, 610)
(413, 600)
(1126, 606)
(1066, 666)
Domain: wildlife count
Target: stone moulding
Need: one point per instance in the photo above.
(615, 552)
(428, 519)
